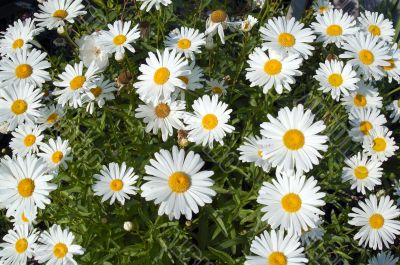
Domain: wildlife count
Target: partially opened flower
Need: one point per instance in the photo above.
(217, 22)
(148, 4)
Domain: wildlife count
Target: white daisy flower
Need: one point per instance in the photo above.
(26, 139)
(24, 67)
(291, 202)
(115, 183)
(19, 104)
(187, 41)
(56, 246)
(333, 26)
(383, 258)
(19, 218)
(119, 37)
(50, 115)
(101, 91)
(74, 82)
(25, 185)
(91, 51)
(367, 54)
(377, 221)
(335, 77)
(217, 21)
(375, 24)
(174, 181)
(216, 87)
(55, 13)
(363, 121)
(276, 248)
(208, 123)
(313, 234)
(18, 245)
(362, 172)
(280, 34)
(395, 108)
(55, 153)
(393, 70)
(274, 69)
(164, 115)
(18, 36)
(160, 75)
(321, 6)
(364, 97)
(148, 4)
(251, 151)
(248, 24)
(379, 144)
(293, 139)
(193, 81)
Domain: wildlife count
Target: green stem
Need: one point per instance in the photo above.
(393, 91)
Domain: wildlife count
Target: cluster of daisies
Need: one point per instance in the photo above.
(293, 142)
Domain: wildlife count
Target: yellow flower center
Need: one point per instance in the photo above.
(161, 76)
(374, 30)
(273, 67)
(23, 71)
(179, 182)
(26, 187)
(334, 30)
(216, 90)
(116, 185)
(77, 82)
(391, 66)
(29, 140)
(184, 44)
(293, 139)
(286, 39)
(210, 121)
(162, 110)
(21, 245)
(376, 221)
(60, 250)
(18, 43)
(260, 153)
(119, 39)
(366, 57)
(360, 100)
(365, 127)
(57, 157)
(218, 16)
(96, 91)
(52, 118)
(24, 219)
(291, 202)
(60, 13)
(379, 144)
(322, 9)
(335, 80)
(361, 172)
(184, 79)
(19, 106)
(277, 258)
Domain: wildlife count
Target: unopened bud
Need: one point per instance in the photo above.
(128, 226)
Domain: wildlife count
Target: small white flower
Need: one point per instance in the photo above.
(164, 115)
(395, 108)
(209, 121)
(148, 4)
(26, 139)
(248, 24)
(115, 182)
(379, 144)
(252, 151)
(187, 41)
(55, 153)
(217, 22)
(91, 51)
